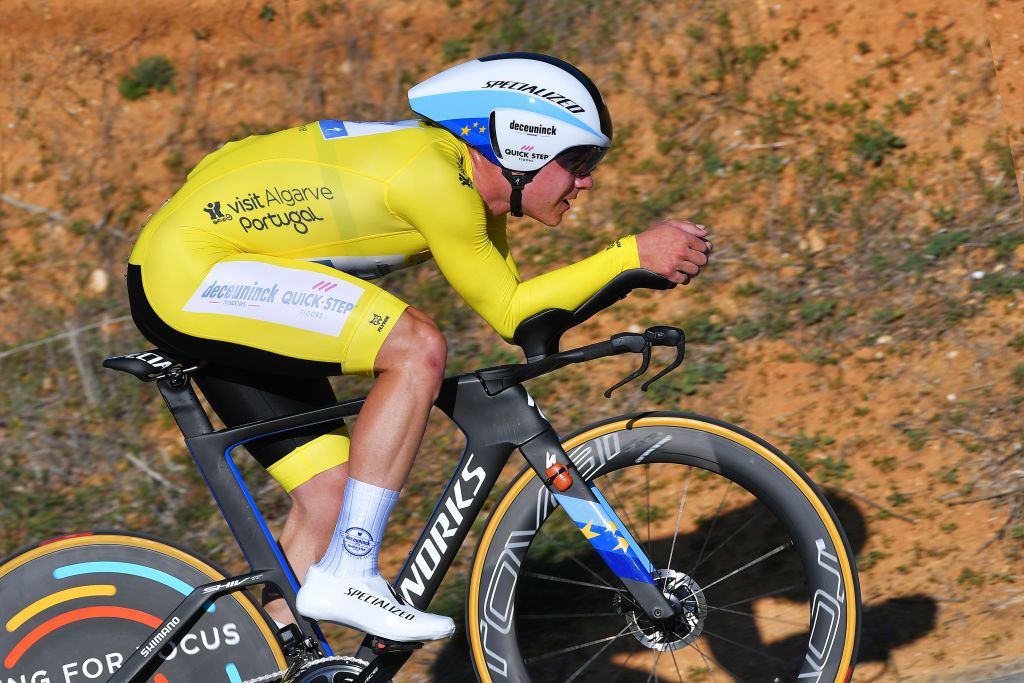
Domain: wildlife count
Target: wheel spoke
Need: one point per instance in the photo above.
(595, 574)
(559, 579)
(759, 617)
(619, 506)
(714, 521)
(679, 516)
(676, 664)
(573, 648)
(707, 662)
(647, 485)
(726, 541)
(624, 666)
(654, 667)
(748, 565)
(592, 658)
(570, 615)
(784, 589)
(753, 650)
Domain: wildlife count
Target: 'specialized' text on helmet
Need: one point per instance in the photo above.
(520, 110)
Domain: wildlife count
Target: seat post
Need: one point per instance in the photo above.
(184, 405)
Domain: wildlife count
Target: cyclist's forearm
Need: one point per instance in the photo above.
(504, 302)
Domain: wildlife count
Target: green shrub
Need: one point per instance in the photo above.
(268, 13)
(1018, 375)
(917, 437)
(800, 447)
(873, 142)
(813, 312)
(943, 244)
(700, 328)
(998, 284)
(152, 73)
(935, 39)
(943, 214)
(744, 328)
(455, 49)
(886, 315)
(1005, 244)
(686, 381)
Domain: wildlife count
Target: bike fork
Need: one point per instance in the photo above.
(599, 524)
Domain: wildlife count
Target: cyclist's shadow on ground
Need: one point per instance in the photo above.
(736, 645)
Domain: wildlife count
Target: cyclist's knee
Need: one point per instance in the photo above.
(417, 346)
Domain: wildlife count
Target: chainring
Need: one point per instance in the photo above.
(324, 670)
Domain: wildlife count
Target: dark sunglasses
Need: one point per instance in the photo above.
(580, 161)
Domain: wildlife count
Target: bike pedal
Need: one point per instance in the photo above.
(383, 646)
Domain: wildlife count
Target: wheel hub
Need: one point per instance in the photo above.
(678, 631)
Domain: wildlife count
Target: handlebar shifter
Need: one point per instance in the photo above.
(660, 335)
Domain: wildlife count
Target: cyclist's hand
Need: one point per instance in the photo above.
(676, 250)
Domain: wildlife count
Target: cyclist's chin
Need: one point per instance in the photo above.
(550, 217)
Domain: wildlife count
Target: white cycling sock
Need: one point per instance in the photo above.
(355, 546)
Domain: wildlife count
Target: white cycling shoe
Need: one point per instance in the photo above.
(368, 604)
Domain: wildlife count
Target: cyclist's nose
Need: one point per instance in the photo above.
(585, 182)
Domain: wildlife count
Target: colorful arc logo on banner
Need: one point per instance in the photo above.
(65, 600)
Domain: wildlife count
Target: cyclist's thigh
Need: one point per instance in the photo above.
(257, 317)
(239, 393)
(287, 307)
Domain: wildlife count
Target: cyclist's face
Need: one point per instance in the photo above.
(546, 198)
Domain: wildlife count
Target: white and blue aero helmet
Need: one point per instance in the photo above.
(520, 110)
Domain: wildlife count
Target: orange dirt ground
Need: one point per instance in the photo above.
(943, 599)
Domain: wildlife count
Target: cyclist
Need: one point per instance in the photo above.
(260, 264)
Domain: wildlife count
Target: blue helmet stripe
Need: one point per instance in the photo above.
(447, 106)
(473, 132)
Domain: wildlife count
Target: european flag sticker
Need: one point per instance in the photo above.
(332, 129)
(599, 525)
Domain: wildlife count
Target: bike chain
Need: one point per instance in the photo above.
(278, 676)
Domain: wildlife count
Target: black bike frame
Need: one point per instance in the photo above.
(495, 423)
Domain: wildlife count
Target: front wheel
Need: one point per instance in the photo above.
(738, 535)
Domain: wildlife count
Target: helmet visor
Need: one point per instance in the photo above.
(581, 160)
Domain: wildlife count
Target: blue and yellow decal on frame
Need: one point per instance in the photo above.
(606, 532)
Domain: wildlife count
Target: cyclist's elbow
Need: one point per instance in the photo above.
(505, 329)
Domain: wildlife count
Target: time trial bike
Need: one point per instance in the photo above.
(650, 546)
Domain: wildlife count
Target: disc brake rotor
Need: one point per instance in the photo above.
(677, 632)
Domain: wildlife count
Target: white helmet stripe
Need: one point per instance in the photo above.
(444, 107)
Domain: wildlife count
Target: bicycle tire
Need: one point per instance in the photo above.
(782, 604)
(75, 607)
